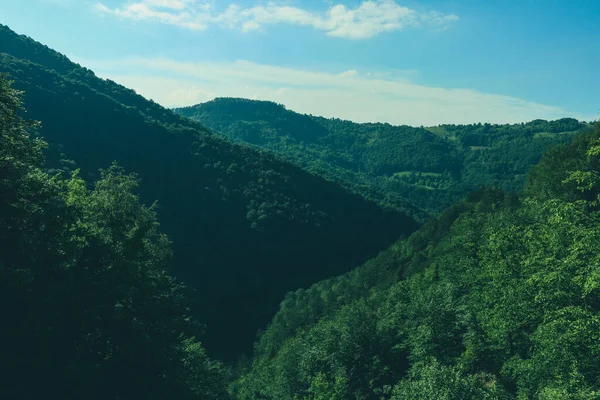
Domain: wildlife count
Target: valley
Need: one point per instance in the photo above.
(238, 250)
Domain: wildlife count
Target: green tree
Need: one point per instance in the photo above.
(88, 308)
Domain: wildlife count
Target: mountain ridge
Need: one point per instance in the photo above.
(394, 165)
(246, 225)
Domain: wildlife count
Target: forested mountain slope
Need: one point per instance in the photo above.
(88, 309)
(246, 227)
(496, 298)
(499, 298)
(428, 167)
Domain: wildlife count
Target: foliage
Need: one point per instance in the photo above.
(396, 166)
(246, 226)
(498, 297)
(88, 310)
(503, 303)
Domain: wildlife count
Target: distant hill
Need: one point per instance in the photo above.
(246, 226)
(393, 165)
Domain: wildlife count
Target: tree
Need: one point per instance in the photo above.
(88, 309)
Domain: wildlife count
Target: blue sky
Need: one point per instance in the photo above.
(417, 62)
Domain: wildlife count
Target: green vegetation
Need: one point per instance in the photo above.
(498, 298)
(246, 227)
(88, 310)
(395, 166)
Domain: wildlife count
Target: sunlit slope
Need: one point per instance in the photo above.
(402, 167)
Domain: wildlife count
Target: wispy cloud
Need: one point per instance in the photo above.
(368, 19)
(358, 96)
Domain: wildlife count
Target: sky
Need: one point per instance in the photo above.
(414, 62)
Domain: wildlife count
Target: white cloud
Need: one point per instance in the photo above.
(351, 72)
(353, 96)
(168, 13)
(169, 4)
(369, 19)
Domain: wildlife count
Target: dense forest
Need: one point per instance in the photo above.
(497, 298)
(395, 166)
(245, 225)
(141, 255)
(88, 308)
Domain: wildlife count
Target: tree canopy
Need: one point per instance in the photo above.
(400, 167)
(246, 226)
(88, 309)
(497, 299)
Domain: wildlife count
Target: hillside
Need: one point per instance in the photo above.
(246, 227)
(498, 298)
(393, 165)
(88, 308)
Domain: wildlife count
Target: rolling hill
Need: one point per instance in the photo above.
(246, 226)
(396, 166)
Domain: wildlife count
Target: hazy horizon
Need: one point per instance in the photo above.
(401, 62)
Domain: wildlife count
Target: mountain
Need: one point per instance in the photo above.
(393, 165)
(88, 309)
(246, 226)
(498, 298)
